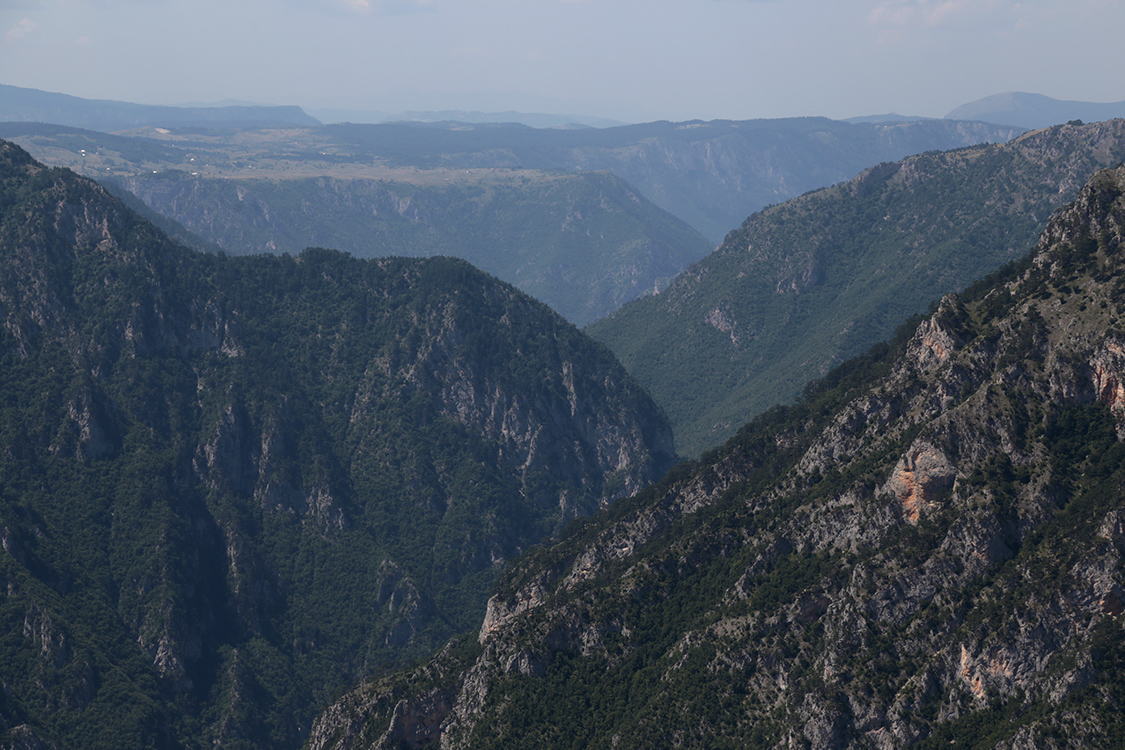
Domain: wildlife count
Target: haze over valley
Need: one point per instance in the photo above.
(566, 374)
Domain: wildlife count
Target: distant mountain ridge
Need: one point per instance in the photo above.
(709, 174)
(534, 207)
(583, 243)
(1034, 111)
(32, 105)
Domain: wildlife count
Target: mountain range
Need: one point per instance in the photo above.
(709, 174)
(583, 243)
(927, 550)
(526, 205)
(260, 501)
(1015, 108)
(806, 284)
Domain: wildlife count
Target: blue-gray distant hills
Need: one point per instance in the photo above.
(32, 105)
(710, 174)
(1034, 111)
(577, 218)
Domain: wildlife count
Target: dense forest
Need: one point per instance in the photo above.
(806, 284)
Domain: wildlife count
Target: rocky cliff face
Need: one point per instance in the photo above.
(228, 486)
(925, 551)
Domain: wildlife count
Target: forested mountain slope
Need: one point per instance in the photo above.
(926, 550)
(806, 284)
(229, 486)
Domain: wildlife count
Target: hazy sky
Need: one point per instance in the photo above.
(632, 60)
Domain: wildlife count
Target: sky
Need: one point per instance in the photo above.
(629, 60)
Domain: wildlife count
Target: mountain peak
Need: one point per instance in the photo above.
(1034, 111)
